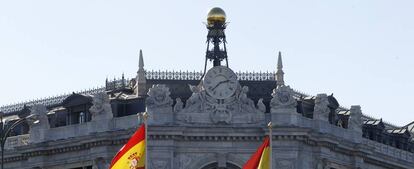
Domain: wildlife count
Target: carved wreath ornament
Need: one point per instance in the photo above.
(283, 98)
(159, 95)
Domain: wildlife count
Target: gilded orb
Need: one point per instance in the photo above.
(216, 15)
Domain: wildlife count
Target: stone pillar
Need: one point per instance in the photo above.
(321, 109)
(39, 126)
(355, 119)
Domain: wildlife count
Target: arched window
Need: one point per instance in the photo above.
(82, 118)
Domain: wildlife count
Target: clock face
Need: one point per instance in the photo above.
(220, 82)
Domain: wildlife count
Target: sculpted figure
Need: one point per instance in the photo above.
(101, 106)
(321, 109)
(40, 118)
(178, 105)
(246, 104)
(195, 96)
(243, 96)
(261, 106)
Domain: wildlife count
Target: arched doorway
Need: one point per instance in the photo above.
(215, 166)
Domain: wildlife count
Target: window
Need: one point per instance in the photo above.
(82, 117)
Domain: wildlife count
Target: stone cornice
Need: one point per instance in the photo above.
(159, 133)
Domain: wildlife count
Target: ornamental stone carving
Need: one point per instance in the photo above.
(356, 118)
(39, 125)
(101, 108)
(321, 109)
(40, 118)
(203, 108)
(159, 105)
(283, 99)
(159, 164)
(285, 164)
(178, 105)
(159, 96)
(260, 106)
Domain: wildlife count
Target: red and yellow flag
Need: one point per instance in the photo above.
(260, 159)
(132, 154)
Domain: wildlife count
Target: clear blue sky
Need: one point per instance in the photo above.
(362, 51)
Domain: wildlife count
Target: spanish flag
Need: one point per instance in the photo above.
(132, 154)
(260, 159)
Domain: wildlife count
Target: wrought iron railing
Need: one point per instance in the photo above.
(196, 75)
(48, 102)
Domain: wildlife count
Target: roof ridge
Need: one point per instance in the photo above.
(47, 101)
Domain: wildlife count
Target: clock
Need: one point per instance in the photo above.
(220, 82)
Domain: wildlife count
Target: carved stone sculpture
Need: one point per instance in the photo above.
(355, 118)
(159, 96)
(282, 99)
(101, 108)
(260, 105)
(39, 125)
(159, 105)
(245, 102)
(204, 108)
(321, 109)
(178, 105)
(40, 117)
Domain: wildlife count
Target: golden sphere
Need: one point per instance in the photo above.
(216, 15)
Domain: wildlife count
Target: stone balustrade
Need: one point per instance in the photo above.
(16, 141)
(389, 150)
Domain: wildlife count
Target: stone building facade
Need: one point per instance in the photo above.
(197, 121)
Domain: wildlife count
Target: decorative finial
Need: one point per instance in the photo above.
(145, 116)
(141, 61)
(140, 86)
(280, 74)
(279, 61)
(216, 15)
(270, 125)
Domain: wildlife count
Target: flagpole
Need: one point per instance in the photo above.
(270, 144)
(145, 116)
